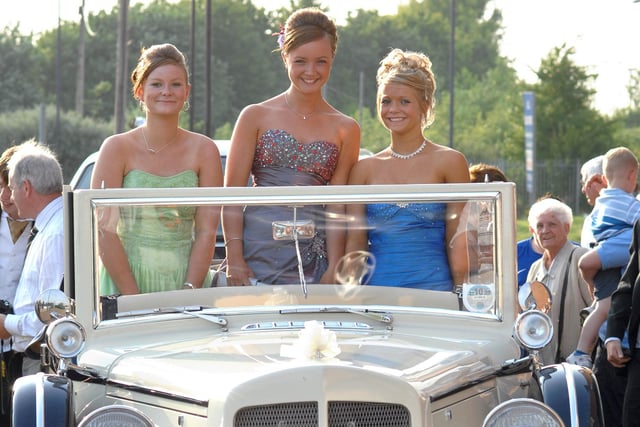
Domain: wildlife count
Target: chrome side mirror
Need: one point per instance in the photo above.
(53, 304)
(535, 295)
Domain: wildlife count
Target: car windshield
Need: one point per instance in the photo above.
(410, 261)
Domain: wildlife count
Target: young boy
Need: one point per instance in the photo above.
(613, 216)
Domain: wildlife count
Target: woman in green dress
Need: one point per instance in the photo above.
(149, 249)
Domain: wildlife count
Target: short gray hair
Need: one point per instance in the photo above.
(592, 167)
(562, 211)
(36, 163)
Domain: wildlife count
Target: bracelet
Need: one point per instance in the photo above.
(187, 285)
(231, 240)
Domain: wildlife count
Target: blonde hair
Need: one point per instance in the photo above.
(411, 69)
(307, 25)
(619, 159)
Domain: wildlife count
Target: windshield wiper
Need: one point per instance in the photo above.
(192, 310)
(378, 316)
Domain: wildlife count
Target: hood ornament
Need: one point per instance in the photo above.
(314, 343)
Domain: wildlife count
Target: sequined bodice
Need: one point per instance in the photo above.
(279, 149)
(421, 215)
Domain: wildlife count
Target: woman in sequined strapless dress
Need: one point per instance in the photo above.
(149, 249)
(294, 138)
(413, 243)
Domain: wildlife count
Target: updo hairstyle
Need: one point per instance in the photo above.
(154, 57)
(412, 69)
(307, 25)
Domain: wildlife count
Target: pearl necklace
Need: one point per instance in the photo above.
(410, 155)
(151, 149)
(304, 116)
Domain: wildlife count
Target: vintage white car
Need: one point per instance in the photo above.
(303, 354)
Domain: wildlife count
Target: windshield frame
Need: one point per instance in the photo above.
(80, 221)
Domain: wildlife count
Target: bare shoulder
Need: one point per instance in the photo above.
(345, 122)
(450, 155)
(111, 163)
(452, 163)
(117, 146)
(364, 169)
(205, 144)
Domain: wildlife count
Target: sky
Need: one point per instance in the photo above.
(604, 33)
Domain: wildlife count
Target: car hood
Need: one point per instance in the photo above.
(197, 368)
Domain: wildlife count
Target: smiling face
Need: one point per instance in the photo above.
(309, 66)
(165, 90)
(550, 232)
(400, 108)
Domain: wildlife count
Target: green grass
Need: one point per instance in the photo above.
(522, 228)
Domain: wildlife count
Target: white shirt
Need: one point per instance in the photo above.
(11, 262)
(43, 269)
(586, 236)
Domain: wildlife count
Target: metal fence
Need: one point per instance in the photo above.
(558, 177)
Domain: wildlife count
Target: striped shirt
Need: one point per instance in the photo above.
(614, 212)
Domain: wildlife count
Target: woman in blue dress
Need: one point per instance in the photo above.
(413, 243)
(294, 138)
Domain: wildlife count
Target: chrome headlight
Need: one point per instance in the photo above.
(116, 416)
(533, 329)
(522, 412)
(66, 338)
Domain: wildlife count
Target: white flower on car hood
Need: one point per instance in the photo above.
(314, 342)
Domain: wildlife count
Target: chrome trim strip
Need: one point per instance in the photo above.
(39, 391)
(157, 393)
(573, 397)
(300, 325)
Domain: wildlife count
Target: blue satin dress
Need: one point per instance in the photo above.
(409, 243)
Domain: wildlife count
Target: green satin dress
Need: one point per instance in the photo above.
(157, 240)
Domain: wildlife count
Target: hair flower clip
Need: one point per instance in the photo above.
(280, 35)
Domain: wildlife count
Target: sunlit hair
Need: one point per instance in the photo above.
(482, 172)
(591, 167)
(411, 69)
(550, 205)
(4, 162)
(308, 25)
(619, 160)
(154, 57)
(37, 164)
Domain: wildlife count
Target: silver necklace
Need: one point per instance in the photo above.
(304, 116)
(410, 155)
(153, 150)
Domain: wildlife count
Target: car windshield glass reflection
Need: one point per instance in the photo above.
(436, 254)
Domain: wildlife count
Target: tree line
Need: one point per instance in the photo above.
(246, 68)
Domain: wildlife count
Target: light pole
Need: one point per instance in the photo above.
(452, 72)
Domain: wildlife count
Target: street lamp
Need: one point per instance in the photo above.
(452, 50)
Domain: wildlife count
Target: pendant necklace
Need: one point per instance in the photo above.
(304, 116)
(151, 149)
(410, 155)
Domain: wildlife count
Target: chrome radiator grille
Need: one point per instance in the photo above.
(370, 414)
(302, 414)
(340, 414)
